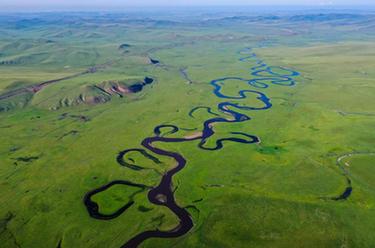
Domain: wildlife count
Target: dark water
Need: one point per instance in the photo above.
(135, 88)
(208, 109)
(148, 80)
(262, 77)
(123, 46)
(139, 86)
(121, 161)
(93, 208)
(154, 61)
(345, 195)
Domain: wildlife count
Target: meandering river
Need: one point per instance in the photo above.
(262, 76)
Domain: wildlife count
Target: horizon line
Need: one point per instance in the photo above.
(101, 7)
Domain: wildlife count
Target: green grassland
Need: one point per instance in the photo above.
(55, 147)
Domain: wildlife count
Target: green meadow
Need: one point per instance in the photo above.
(61, 140)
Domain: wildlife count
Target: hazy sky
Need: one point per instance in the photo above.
(92, 3)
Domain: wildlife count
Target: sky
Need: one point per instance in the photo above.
(35, 4)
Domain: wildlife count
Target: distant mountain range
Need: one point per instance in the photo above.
(77, 18)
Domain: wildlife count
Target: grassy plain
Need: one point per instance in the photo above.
(54, 149)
